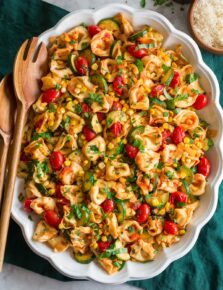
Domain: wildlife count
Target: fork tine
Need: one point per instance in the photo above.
(32, 48)
(23, 48)
(40, 52)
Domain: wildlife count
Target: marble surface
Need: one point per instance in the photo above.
(15, 278)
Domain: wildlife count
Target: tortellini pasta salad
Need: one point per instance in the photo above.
(113, 153)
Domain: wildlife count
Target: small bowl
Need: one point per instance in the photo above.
(196, 37)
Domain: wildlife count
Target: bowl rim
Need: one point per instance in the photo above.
(196, 52)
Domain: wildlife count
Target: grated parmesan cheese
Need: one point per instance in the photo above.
(208, 21)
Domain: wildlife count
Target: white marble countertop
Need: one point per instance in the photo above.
(15, 278)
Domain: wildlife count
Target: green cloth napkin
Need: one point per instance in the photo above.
(202, 267)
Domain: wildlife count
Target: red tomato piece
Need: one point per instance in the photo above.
(204, 166)
(201, 102)
(116, 106)
(178, 135)
(58, 190)
(52, 218)
(38, 124)
(118, 85)
(101, 116)
(170, 228)
(178, 196)
(143, 213)
(176, 80)
(108, 205)
(81, 65)
(50, 95)
(137, 52)
(56, 160)
(88, 133)
(135, 205)
(157, 90)
(116, 128)
(85, 108)
(131, 151)
(27, 203)
(93, 29)
(166, 138)
(103, 246)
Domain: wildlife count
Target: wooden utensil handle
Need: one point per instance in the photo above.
(4, 153)
(10, 182)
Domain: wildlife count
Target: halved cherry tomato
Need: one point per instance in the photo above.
(88, 133)
(85, 108)
(135, 205)
(176, 80)
(116, 106)
(39, 123)
(204, 166)
(51, 95)
(137, 52)
(27, 203)
(118, 85)
(116, 128)
(58, 190)
(108, 205)
(131, 151)
(52, 218)
(201, 102)
(170, 228)
(93, 29)
(81, 65)
(166, 138)
(56, 160)
(101, 116)
(178, 135)
(178, 196)
(143, 213)
(103, 246)
(24, 157)
(157, 91)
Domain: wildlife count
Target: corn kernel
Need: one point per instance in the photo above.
(122, 102)
(155, 202)
(110, 146)
(124, 109)
(94, 246)
(183, 175)
(94, 66)
(104, 239)
(118, 139)
(199, 145)
(84, 89)
(52, 191)
(75, 102)
(175, 165)
(175, 58)
(165, 126)
(170, 119)
(62, 110)
(130, 112)
(186, 140)
(124, 141)
(148, 90)
(106, 160)
(85, 162)
(67, 163)
(162, 211)
(182, 232)
(81, 173)
(51, 123)
(116, 99)
(60, 226)
(79, 86)
(152, 111)
(68, 99)
(183, 159)
(122, 180)
(82, 137)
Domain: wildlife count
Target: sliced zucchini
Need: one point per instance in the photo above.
(90, 57)
(122, 211)
(71, 63)
(89, 181)
(119, 264)
(157, 200)
(138, 34)
(116, 49)
(121, 256)
(135, 131)
(80, 141)
(84, 258)
(109, 24)
(167, 78)
(185, 187)
(155, 183)
(100, 81)
(186, 173)
(170, 104)
(95, 124)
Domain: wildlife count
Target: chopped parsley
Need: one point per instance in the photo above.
(165, 67)
(46, 135)
(52, 108)
(78, 109)
(109, 121)
(42, 189)
(169, 174)
(119, 59)
(165, 114)
(191, 78)
(93, 97)
(94, 148)
(138, 143)
(139, 65)
(108, 192)
(57, 86)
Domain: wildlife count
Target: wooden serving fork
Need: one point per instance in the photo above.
(30, 65)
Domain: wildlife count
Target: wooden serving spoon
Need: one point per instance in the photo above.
(30, 65)
(7, 118)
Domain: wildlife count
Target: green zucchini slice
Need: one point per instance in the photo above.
(121, 256)
(122, 211)
(135, 131)
(99, 81)
(84, 258)
(167, 78)
(90, 57)
(186, 173)
(109, 24)
(157, 200)
(138, 34)
(71, 62)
